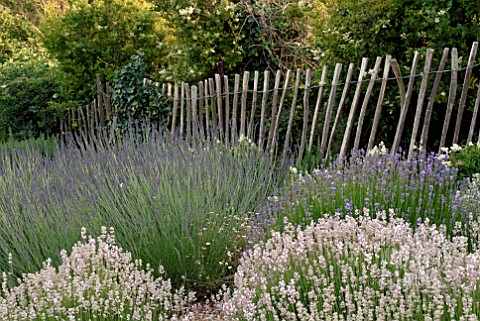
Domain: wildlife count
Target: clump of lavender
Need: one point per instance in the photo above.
(416, 189)
(468, 205)
(363, 268)
(97, 281)
(185, 206)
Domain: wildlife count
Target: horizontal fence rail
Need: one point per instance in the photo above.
(329, 112)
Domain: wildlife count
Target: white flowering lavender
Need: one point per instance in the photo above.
(98, 281)
(469, 199)
(358, 269)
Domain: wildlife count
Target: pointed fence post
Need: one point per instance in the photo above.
(243, 112)
(182, 105)
(201, 94)
(266, 80)
(463, 97)
(366, 99)
(273, 137)
(292, 114)
(227, 109)
(254, 106)
(331, 103)
(236, 85)
(404, 107)
(474, 117)
(221, 117)
(351, 115)
(340, 106)
(451, 97)
(378, 110)
(431, 99)
(318, 104)
(273, 120)
(175, 107)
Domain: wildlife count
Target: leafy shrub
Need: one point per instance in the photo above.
(135, 101)
(13, 31)
(466, 159)
(416, 189)
(28, 89)
(352, 30)
(351, 268)
(201, 33)
(185, 208)
(97, 280)
(99, 37)
(278, 34)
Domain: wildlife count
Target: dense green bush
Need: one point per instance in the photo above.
(28, 91)
(278, 34)
(135, 101)
(13, 30)
(202, 33)
(99, 37)
(466, 159)
(365, 28)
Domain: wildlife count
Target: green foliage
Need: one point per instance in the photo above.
(366, 28)
(14, 31)
(202, 32)
(133, 100)
(466, 159)
(28, 90)
(98, 37)
(277, 34)
(350, 30)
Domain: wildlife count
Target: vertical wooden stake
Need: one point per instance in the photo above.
(227, 110)
(189, 111)
(463, 97)
(182, 104)
(421, 98)
(208, 126)
(221, 117)
(211, 86)
(431, 99)
(292, 115)
(404, 109)
(474, 117)
(201, 97)
(243, 113)
(276, 119)
(236, 85)
(378, 110)
(271, 134)
(351, 115)
(340, 105)
(254, 106)
(366, 99)
(331, 103)
(266, 80)
(318, 104)
(194, 112)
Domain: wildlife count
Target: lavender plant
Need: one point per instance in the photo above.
(363, 268)
(97, 281)
(185, 207)
(417, 189)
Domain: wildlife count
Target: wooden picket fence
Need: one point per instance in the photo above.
(91, 119)
(215, 108)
